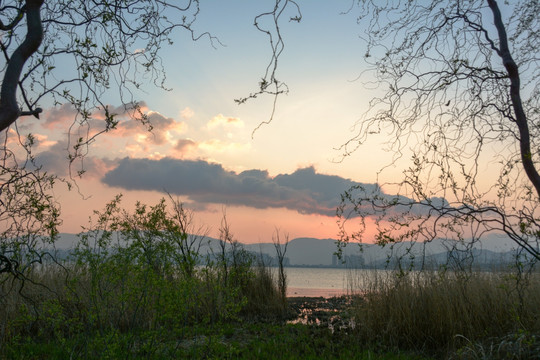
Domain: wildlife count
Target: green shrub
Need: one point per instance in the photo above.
(130, 275)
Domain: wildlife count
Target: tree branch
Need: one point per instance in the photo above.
(515, 95)
(9, 109)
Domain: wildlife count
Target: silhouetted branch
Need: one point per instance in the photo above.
(269, 84)
(452, 92)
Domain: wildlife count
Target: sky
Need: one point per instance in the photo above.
(203, 150)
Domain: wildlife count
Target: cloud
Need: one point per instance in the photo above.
(184, 146)
(43, 140)
(163, 129)
(187, 113)
(65, 114)
(224, 121)
(59, 116)
(305, 190)
(55, 161)
(13, 140)
(218, 146)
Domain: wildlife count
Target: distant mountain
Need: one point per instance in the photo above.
(302, 251)
(321, 252)
(66, 241)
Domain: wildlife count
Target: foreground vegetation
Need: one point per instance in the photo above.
(440, 317)
(136, 286)
(462, 315)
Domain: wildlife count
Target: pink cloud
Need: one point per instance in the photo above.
(159, 130)
(221, 120)
(187, 113)
(183, 146)
(219, 146)
(59, 116)
(65, 115)
(55, 160)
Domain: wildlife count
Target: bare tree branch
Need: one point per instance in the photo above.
(459, 96)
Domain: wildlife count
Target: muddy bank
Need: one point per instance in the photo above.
(333, 312)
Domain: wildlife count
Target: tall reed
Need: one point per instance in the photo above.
(442, 310)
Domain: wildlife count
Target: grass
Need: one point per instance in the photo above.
(432, 315)
(483, 315)
(126, 310)
(221, 341)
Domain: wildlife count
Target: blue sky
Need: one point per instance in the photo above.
(201, 136)
(321, 60)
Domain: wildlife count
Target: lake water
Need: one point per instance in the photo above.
(326, 282)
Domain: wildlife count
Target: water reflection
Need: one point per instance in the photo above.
(315, 282)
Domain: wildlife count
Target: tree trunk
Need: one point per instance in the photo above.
(515, 95)
(9, 109)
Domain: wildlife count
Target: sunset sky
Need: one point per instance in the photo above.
(289, 175)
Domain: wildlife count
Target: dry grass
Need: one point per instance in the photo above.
(263, 296)
(435, 311)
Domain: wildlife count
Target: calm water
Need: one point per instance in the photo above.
(328, 282)
(324, 282)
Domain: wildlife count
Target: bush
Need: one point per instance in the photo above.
(133, 276)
